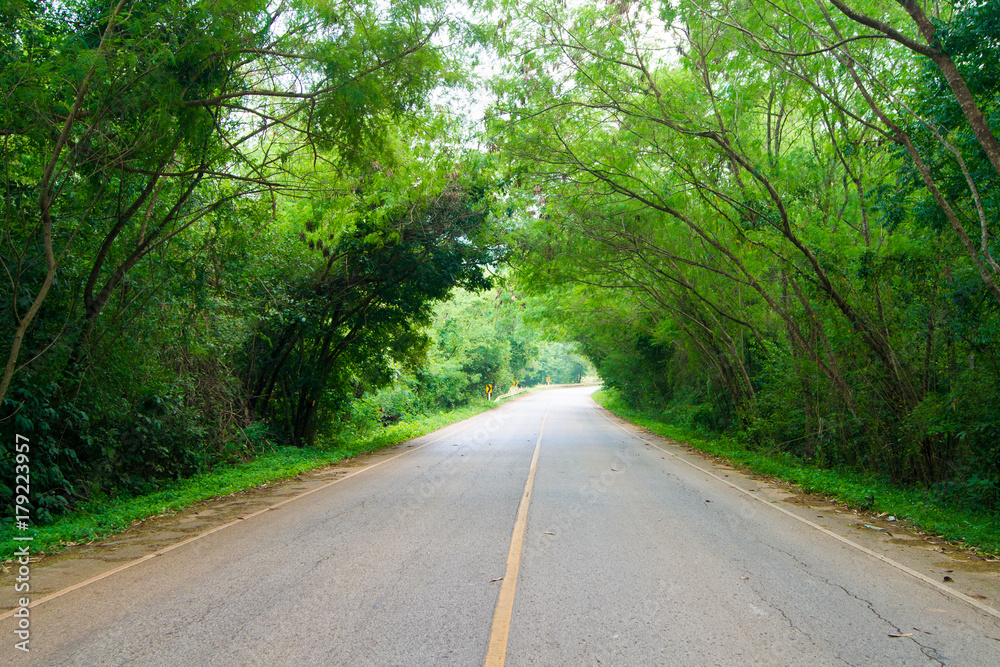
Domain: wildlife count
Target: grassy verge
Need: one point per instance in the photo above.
(98, 519)
(979, 531)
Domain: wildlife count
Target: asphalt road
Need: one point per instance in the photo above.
(631, 556)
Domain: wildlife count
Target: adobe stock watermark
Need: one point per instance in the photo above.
(422, 490)
(660, 597)
(22, 555)
(588, 495)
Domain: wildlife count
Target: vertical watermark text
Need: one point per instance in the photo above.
(22, 554)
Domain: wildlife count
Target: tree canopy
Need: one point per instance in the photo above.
(779, 216)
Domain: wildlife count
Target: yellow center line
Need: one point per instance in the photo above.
(497, 652)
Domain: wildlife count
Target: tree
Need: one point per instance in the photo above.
(151, 152)
(125, 127)
(733, 185)
(362, 309)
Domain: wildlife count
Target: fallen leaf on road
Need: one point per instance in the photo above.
(493, 581)
(549, 533)
(615, 470)
(901, 634)
(948, 579)
(978, 596)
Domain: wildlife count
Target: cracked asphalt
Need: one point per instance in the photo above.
(636, 552)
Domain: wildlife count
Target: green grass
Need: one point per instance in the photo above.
(979, 531)
(99, 519)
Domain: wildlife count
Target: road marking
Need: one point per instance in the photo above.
(874, 554)
(69, 589)
(497, 652)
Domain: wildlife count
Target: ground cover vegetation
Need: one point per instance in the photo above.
(773, 219)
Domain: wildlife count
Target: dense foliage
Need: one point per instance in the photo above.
(778, 219)
(339, 330)
(218, 218)
(476, 341)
